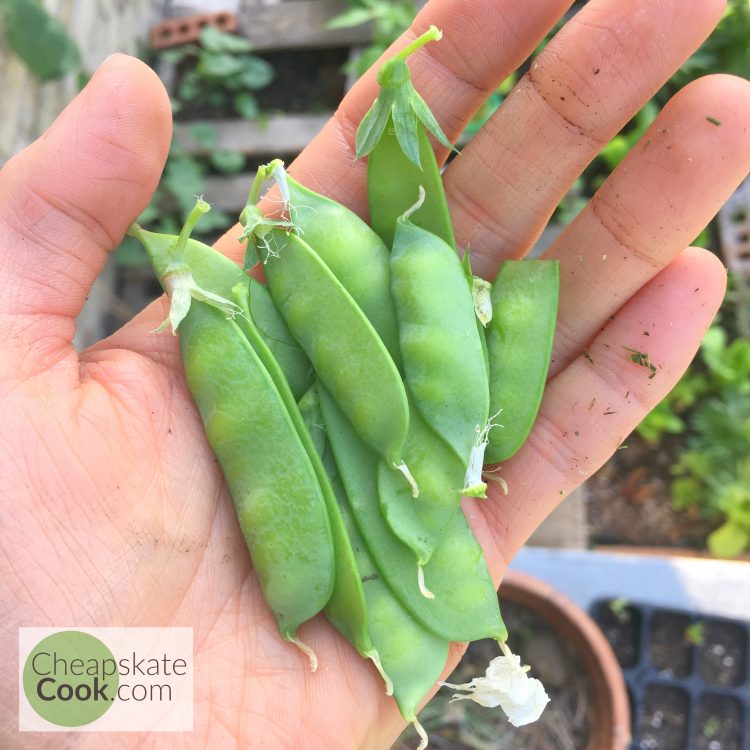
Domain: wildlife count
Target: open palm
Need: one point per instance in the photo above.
(113, 509)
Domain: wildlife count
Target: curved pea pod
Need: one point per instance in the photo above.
(439, 473)
(267, 468)
(346, 352)
(393, 181)
(346, 606)
(354, 253)
(212, 270)
(441, 347)
(465, 606)
(519, 341)
(412, 658)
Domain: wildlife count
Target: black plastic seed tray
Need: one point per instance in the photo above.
(688, 676)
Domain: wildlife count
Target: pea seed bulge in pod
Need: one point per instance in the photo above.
(408, 372)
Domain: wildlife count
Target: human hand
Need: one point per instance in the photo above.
(114, 511)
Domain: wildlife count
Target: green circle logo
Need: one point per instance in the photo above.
(70, 678)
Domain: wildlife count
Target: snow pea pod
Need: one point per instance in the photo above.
(346, 352)
(465, 606)
(393, 134)
(392, 183)
(354, 253)
(346, 606)
(441, 346)
(276, 492)
(519, 342)
(412, 657)
(240, 407)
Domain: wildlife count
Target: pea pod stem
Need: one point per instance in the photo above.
(433, 34)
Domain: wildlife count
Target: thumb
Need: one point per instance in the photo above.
(66, 201)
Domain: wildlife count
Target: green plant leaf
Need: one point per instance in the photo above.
(39, 39)
(729, 540)
(423, 112)
(246, 106)
(374, 122)
(405, 125)
(204, 134)
(218, 65)
(256, 73)
(214, 40)
(227, 162)
(351, 17)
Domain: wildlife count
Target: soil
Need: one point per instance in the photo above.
(671, 653)
(723, 653)
(719, 725)
(464, 725)
(629, 499)
(622, 628)
(305, 81)
(310, 81)
(662, 723)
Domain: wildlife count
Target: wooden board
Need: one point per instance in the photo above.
(281, 135)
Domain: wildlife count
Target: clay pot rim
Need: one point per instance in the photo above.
(611, 707)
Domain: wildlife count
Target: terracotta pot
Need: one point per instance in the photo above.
(611, 709)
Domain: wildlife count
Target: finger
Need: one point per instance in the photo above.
(597, 72)
(654, 204)
(67, 199)
(593, 404)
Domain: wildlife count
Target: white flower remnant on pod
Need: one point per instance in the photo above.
(508, 685)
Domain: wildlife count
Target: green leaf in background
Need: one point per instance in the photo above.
(204, 134)
(218, 65)
(352, 17)
(214, 40)
(729, 540)
(227, 162)
(246, 106)
(39, 39)
(256, 73)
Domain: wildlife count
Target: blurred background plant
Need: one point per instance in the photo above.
(39, 39)
(217, 78)
(710, 407)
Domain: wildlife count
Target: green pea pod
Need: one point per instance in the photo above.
(354, 253)
(269, 477)
(440, 344)
(465, 606)
(392, 184)
(519, 340)
(346, 607)
(393, 134)
(347, 354)
(240, 407)
(412, 657)
(419, 523)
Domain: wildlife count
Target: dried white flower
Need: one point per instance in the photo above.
(508, 685)
(182, 290)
